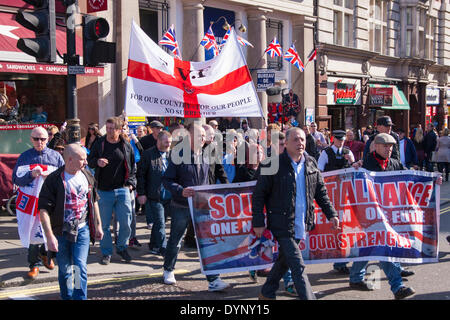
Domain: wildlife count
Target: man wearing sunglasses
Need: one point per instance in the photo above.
(32, 167)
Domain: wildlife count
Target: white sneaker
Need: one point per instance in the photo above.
(217, 285)
(169, 277)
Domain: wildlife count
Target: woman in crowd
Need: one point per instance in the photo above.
(418, 144)
(443, 152)
(92, 135)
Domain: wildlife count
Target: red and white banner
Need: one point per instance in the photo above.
(160, 85)
(97, 5)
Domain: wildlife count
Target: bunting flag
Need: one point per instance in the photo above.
(159, 85)
(313, 55)
(274, 49)
(209, 41)
(241, 40)
(292, 56)
(169, 41)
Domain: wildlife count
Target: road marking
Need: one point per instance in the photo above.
(30, 292)
(445, 210)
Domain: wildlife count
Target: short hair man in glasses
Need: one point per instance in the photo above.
(32, 167)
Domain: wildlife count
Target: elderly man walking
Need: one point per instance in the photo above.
(70, 219)
(32, 167)
(288, 196)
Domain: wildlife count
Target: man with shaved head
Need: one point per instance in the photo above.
(31, 169)
(70, 219)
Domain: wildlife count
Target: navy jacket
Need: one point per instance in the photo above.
(180, 176)
(410, 153)
(149, 174)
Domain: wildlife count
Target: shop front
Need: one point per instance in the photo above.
(343, 102)
(432, 105)
(388, 100)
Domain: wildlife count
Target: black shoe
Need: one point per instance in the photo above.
(125, 255)
(191, 244)
(407, 273)
(404, 292)
(342, 270)
(448, 239)
(362, 286)
(105, 260)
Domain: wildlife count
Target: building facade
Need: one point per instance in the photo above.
(379, 57)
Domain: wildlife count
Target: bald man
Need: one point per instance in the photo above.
(31, 169)
(70, 219)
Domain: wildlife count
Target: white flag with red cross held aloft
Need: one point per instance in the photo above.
(161, 85)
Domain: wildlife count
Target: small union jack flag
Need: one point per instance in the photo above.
(292, 56)
(274, 49)
(313, 55)
(169, 41)
(209, 41)
(244, 42)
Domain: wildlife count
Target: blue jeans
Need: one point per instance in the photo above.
(72, 265)
(289, 257)
(148, 213)
(159, 210)
(119, 201)
(287, 278)
(392, 270)
(180, 218)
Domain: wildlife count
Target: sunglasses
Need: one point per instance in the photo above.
(59, 149)
(39, 139)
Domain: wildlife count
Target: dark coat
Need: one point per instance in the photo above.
(410, 153)
(371, 164)
(311, 147)
(149, 174)
(180, 176)
(130, 165)
(277, 193)
(429, 143)
(52, 199)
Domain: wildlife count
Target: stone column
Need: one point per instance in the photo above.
(303, 83)
(193, 31)
(257, 36)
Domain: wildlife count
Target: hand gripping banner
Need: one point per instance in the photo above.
(390, 216)
(161, 85)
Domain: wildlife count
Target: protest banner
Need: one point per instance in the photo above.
(161, 85)
(389, 216)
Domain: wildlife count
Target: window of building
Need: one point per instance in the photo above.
(409, 31)
(421, 28)
(430, 49)
(154, 18)
(378, 26)
(408, 47)
(274, 28)
(343, 22)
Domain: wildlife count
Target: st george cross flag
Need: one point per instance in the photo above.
(313, 55)
(29, 225)
(292, 56)
(159, 85)
(209, 41)
(274, 49)
(169, 40)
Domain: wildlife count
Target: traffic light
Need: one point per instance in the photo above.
(95, 50)
(42, 21)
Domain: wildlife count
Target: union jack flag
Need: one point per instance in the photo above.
(244, 42)
(313, 55)
(209, 41)
(169, 41)
(274, 49)
(292, 56)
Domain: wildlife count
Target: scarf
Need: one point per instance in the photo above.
(382, 162)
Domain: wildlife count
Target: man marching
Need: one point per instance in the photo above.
(32, 167)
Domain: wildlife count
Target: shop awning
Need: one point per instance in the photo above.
(387, 97)
(12, 60)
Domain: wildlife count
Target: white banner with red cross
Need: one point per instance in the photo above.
(161, 85)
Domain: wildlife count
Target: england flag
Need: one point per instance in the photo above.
(159, 85)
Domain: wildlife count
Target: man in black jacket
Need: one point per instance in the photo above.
(115, 172)
(70, 219)
(429, 145)
(150, 190)
(178, 179)
(288, 196)
(311, 147)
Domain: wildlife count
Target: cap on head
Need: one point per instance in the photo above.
(156, 124)
(384, 121)
(384, 138)
(339, 134)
